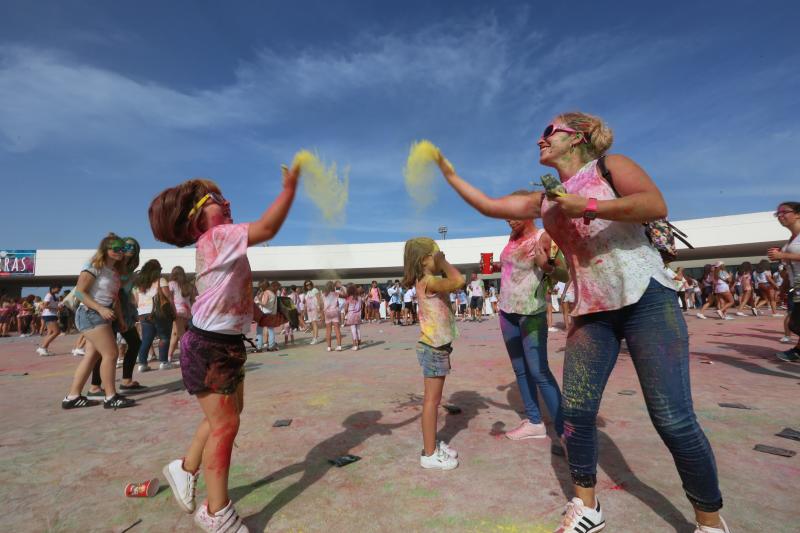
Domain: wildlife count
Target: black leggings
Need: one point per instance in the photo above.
(131, 336)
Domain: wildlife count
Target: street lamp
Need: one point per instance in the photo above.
(443, 232)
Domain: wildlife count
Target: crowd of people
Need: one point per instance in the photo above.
(593, 259)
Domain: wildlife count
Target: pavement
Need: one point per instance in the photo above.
(66, 470)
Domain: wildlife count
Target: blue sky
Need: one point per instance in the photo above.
(104, 104)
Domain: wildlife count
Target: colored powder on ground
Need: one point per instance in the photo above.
(420, 171)
(323, 185)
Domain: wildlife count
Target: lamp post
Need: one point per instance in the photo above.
(443, 232)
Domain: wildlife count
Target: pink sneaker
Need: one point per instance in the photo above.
(527, 430)
(227, 520)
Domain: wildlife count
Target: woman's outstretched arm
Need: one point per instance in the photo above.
(515, 207)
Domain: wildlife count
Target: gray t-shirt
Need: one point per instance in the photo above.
(106, 284)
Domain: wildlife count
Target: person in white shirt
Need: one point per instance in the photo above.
(476, 292)
(147, 286)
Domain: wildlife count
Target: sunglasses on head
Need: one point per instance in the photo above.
(215, 197)
(553, 128)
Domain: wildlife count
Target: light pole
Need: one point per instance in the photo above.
(443, 232)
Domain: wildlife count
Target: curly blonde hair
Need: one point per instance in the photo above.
(598, 135)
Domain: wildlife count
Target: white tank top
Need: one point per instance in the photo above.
(610, 262)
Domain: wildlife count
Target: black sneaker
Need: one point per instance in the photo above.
(118, 401)
(790, 356)
(80, 401)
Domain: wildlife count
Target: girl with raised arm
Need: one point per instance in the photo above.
(212, 350)
(426, 269)
(622, 291)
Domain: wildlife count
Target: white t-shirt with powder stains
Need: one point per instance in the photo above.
(224, 281)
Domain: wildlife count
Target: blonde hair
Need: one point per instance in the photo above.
(598, 135)
(415, 251)
(99, 257)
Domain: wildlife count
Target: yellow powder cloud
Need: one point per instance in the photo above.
(420, 172)
(323, 185)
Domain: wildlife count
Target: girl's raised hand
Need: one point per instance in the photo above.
(439, 261)
(540, 256)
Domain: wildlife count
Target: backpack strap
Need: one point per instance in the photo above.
(601, 164)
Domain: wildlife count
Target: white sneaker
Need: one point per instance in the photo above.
(728, 317)
(338, 348)
(227, 520)
(144, 368)
(43, 352)
(165, 366)
(182, 483)
(700, 315)
(739, 313)
(719, 314)
(581, 519)
(786, 340)
(354, 348)
(754, 311)
(314, 341)
(552, 329)
(447, 449)
(438, 459)
(709, 529)
(527, 430)
(78, 352)
(329, 349)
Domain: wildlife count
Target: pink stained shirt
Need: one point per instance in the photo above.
(610, 262)
(224, 281)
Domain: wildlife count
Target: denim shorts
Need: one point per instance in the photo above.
(86, 319)
(435, 362)
(49, 318)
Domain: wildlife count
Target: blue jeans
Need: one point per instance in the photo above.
(526, 341)
(150, 328)
(655, 333)
(271, 343)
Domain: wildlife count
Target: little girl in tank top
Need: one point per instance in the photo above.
(426, 269)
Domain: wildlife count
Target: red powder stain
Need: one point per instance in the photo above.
(617, 487)
(598, 261)
(221, 458)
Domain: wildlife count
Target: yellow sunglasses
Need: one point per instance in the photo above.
(213, 196)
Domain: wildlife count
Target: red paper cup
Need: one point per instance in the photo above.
(142, 490)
